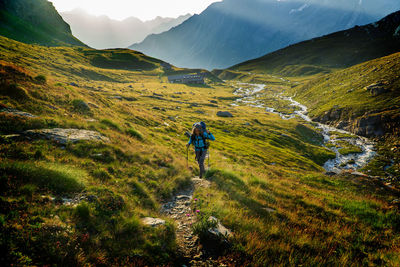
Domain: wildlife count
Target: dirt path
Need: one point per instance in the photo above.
(179, 210)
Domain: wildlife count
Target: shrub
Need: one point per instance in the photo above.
(41, 79)
(110, 124)
(202, 225)
(134, 133)
(80, 106)
(56, 178)
(82, 211)
(14, 91)
(28, 190)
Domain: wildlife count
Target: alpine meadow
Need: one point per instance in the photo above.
(102, 151)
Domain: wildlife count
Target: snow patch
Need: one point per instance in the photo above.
(397, 32)
(298, 9)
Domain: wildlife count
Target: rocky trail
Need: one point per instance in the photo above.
(333, 137)
(179, 209)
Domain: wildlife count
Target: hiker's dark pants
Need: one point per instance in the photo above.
(201, 157)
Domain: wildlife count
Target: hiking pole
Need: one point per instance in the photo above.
(208, 151)
(187, 157)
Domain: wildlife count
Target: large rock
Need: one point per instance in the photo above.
(153, 222)
(219, 231)
(368, 126)
(224, 114)
(377, 88)
(16, 112)
(63, 136)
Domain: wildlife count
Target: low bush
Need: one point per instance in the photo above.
(134, 133)
(80, 106)
(41, 79)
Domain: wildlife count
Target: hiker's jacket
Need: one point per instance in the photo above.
(198, 141)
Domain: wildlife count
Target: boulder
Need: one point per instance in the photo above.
(64, 136)
(219, 230)
(73, 84)
(171, 118)
(17, 112)
(224, 114)
(377, 88)
(153, 222)
(188, 134)
(199, 112)
(369, 126)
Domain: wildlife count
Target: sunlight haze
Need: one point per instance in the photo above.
(142, 9)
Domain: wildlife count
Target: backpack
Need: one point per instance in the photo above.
(204, 128)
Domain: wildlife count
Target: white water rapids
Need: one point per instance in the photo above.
(332, 136)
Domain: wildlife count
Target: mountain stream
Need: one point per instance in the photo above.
(333, 137)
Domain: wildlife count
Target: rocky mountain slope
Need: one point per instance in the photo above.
(335, 51)
(35, 21)
(233, 31)
(101, 32)
(364, 99)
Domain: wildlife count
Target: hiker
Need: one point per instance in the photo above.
(199, 137)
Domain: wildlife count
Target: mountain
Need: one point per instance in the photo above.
(35, 21)
(338, 50)
(232, 31)
(102, 32)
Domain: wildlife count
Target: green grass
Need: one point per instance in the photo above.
(110, 124)
(267, 181)
(134, 133)
(59, 179)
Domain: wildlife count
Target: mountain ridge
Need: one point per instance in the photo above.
(35, 22)
(214, 39)
(334, 51)
(102, 32)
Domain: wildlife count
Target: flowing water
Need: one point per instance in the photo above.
(333, 137)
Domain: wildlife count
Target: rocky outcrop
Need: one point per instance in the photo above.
(377, 88)
(17, 112)
(368, 126)
(64, 136)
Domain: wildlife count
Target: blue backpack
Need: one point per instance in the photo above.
(203, 129)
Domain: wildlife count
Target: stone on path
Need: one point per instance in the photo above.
(153, 222)
(63, 136)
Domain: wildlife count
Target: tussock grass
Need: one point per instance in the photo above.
(135, 133)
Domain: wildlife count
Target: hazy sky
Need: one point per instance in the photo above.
(142, 9)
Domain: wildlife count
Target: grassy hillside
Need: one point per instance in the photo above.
(348, 98)
(335, 51)
(35, 22)
(82, 203)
